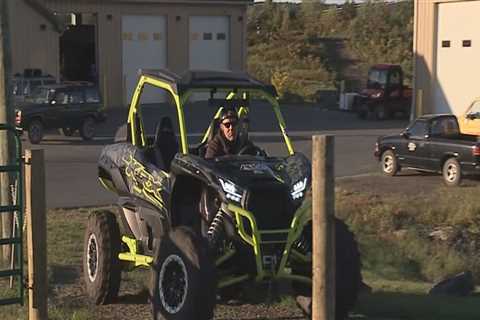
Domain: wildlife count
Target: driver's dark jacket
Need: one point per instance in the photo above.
(219, 146)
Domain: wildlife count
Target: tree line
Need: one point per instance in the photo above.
(304, 48)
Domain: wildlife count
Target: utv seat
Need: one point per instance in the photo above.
(202, 148)
(164, 146)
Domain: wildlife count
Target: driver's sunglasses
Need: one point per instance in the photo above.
(230, 124)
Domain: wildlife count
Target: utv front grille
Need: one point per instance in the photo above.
(271, 205)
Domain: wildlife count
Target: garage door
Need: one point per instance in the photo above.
(457, 65)
(209, 42)
(144, 47)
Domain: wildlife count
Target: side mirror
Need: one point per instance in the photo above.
(471, 116)
(405, 134)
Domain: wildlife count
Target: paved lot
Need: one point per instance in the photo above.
(71, 169)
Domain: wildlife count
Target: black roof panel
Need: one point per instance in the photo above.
(203, 79)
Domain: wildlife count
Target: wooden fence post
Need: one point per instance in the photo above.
(323, 212)
(35, 212)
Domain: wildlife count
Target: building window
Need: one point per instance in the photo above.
(127, 36)
(467, 43)
(221, 36)
(195, 36)
(207, 36)
(446, 44)
(142, 36)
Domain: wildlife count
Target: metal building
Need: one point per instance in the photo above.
(107, 41)
(447, 51)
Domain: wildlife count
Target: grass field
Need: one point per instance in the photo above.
(398, 288)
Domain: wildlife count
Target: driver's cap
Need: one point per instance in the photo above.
(228, 114)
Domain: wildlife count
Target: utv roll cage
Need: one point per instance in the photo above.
(240, 87)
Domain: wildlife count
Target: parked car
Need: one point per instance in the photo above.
(470, 121)
(24, 86)
(69, 107)
(385, 94)
(431, 143)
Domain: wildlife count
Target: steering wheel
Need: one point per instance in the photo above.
(252, 150)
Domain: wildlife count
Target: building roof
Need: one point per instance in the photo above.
(205, 79)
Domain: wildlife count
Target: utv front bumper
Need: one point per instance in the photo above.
(268, 266)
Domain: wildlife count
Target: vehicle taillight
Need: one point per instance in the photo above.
(18, 117)
(476, 150)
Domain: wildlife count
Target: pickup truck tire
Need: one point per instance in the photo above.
(452, 172)
(35, 131)
(87, 129)
(389, 164)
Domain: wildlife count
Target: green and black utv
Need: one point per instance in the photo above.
(206, 226)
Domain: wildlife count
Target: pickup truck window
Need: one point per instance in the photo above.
(418, 130)
(91, 95)
(61, 97)
(76, 96)
(445, 127)
(17, 87)
(395, 78)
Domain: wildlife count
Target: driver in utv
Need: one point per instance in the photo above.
(227, 141)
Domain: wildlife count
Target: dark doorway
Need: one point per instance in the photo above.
(77, 54)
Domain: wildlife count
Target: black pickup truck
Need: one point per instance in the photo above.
(70, 107)
(431, 143)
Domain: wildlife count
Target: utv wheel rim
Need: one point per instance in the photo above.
(388, 164)
(92, 257)
(173, 284)
(451, 172)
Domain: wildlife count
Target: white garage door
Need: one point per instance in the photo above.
(144, 47)
(457, 56)
(209, 43)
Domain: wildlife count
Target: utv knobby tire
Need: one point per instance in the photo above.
(183, 282)
(101, 266)
(362, 112)
(381, 113)
(348, 276)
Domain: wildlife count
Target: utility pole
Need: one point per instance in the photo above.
(6, 116)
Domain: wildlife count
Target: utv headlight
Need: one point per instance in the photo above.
(298, 189)
(232, 191)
